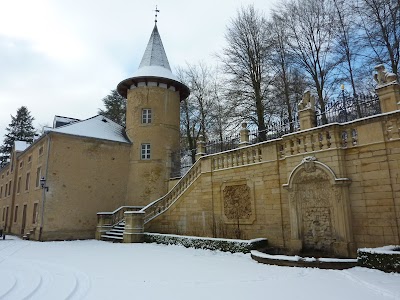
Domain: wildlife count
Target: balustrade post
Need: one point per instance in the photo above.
(134, 227)
(103, 224)
(201, 148)
(388, 89)
(307, 111)
(244, 136)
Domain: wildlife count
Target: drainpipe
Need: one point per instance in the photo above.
(44, 190)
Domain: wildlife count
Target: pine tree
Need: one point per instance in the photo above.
(20, 129)
(115, 107)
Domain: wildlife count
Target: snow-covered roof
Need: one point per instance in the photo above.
(61, 121)
(155, 53)
(21, 145)
(98, 127)
(154, 65)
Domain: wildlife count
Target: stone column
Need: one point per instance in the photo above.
(388, 89)
(103, 224)
(201, 147)
(134, 227)
(244, 136)
(307, 111)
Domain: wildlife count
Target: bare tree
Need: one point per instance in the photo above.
(282, 62)
(380, 21)
(245, 62)
(347, 45)
(311, 34)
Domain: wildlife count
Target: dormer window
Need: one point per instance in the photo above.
(146, 116)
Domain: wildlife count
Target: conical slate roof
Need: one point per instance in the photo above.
(154, 67)
(155, 53)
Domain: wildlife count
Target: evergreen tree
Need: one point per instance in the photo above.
(20, 129)
(115, 107)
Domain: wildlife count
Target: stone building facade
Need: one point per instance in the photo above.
(333, 188)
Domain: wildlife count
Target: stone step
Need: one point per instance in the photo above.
(111, 232)
(112, 237)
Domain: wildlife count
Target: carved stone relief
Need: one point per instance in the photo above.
(237, 202)
(317, 207)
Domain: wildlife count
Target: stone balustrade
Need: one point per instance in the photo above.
(331, 136)
(237, 157)
(160, 205)
(106, 220)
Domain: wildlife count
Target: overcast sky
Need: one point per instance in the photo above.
(62, 57)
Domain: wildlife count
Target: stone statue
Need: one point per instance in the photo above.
(383, 77)
(308, 101)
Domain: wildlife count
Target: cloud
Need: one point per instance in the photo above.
(62, 57)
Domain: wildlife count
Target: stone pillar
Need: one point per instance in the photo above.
(388, 89)
(307, 111)
(244, 136)
(201, 147)
(134, 227)
(103, 224)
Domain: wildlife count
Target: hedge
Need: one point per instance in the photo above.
(386, 258)
(227, 245)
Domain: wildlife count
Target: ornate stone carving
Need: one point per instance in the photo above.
(383, 77)
(307, 102)
(308, 163)
(237, 202)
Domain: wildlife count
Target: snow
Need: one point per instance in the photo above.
(21, 145)
(208, 238)
(98, 127)
(155, 71)
(100, 270)
(391, 249)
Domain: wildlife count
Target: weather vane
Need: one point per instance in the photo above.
(157, 11)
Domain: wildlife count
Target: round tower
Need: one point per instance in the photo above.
(152, 123)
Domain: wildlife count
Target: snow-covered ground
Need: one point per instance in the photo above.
(100, 270)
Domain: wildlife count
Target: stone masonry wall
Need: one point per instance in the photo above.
(361, 160)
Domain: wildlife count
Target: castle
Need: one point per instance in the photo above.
(334, 187)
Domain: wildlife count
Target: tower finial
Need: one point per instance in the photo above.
(157, 11)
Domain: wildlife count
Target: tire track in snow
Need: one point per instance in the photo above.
(370, 286)
(6, 292)
(18, 248)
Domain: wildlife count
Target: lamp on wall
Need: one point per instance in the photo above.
(43, 184)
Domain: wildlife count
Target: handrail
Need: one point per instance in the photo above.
(121, 207)
(160, 205)
(110, 219)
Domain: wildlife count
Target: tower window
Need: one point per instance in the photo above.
(145, 153)
(146, 116)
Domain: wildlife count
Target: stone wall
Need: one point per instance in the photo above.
(334, 187)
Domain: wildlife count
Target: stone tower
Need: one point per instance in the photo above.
(152, 123)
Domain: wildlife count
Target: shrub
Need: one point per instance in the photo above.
(227, 245)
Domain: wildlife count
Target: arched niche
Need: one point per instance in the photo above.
(319, 209)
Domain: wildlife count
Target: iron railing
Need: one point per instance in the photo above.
(346, 109)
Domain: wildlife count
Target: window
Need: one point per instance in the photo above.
(145, 153)
(21, 164)
(28, 175)
(4, 213)
(29, 159)
(9, 188)
(41, 151)
(1, 191)
(19, 185)
(34, 217)
(16, 214)
(5, 192)
(38, 175)
(146, 116)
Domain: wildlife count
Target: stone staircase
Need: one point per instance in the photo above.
(116, 234)
(27, 235)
